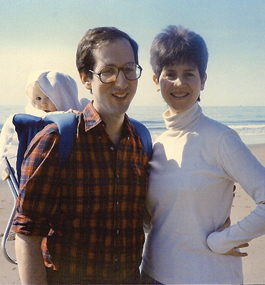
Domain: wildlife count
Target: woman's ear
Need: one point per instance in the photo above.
(85, 80)
(203, 82)
(156, 83)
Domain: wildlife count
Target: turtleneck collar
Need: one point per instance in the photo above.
(182, 119)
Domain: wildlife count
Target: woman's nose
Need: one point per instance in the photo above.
(179, 81)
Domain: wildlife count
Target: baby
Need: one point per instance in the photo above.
(47, 91)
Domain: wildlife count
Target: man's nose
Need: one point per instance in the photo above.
(121, 80)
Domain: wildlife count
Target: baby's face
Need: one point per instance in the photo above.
(41, 101)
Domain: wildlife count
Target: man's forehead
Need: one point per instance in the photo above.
(115, 52)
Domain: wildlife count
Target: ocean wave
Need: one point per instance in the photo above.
(249, 129)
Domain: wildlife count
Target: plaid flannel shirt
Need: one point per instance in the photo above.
(93, 204)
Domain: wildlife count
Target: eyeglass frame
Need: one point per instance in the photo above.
(98, 74)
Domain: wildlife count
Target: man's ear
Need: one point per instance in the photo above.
(85, 80)
(203, 82)
(156, 83)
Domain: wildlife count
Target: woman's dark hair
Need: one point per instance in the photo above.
(177, 45)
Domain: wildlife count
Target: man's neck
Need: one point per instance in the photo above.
(114, 127)
(114, 123)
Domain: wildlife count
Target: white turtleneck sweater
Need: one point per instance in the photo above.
(194, 166)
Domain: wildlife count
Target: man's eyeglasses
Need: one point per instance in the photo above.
(110, 73)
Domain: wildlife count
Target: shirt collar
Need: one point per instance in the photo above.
(92, 119)
(91, 116)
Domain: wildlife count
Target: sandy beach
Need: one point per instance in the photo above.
(253, 265)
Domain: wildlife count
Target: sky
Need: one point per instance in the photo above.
(44, 34)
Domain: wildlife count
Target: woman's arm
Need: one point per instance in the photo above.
(241, 166)
(234, 251)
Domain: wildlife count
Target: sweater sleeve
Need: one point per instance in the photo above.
(243, 231)
(241, 166)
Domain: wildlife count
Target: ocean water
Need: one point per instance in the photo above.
(249, 122)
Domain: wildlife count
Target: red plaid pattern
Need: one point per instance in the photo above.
(94, 203)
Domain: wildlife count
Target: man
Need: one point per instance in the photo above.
(93, 205)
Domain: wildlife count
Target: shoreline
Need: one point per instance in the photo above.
(253, 264)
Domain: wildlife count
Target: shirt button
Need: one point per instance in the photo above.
(117, 202)
(118, 175)
(112, 148)
(118, 231)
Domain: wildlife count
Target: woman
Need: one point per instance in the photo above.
(194, 166)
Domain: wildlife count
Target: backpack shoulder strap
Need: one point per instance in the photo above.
(67, 125)
(27, 126)
(145, 136)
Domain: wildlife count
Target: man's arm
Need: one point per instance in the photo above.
(30, 261)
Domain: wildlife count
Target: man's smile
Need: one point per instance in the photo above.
(179, 95)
